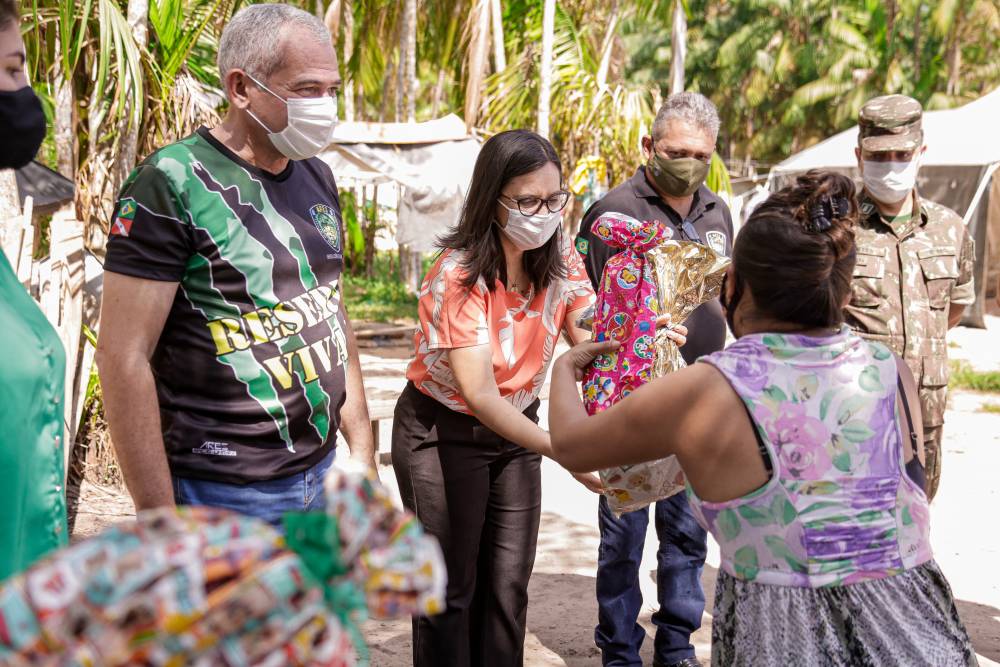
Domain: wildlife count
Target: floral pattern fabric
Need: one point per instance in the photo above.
(521, 329)
(839, 507)
(625, 311)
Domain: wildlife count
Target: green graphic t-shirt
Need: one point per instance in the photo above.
(250, 365)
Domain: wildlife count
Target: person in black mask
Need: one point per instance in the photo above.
(670, 188)
(32, 371)
(22, 121)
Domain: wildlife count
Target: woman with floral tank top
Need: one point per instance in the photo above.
(800, 448)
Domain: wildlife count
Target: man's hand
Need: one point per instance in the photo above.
(678, 333)
(591, 480)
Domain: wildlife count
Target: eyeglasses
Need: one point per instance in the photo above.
(532, 205)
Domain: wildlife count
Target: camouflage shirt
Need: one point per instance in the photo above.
(907, 275)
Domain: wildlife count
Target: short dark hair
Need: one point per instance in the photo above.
(503, 157)
(796, 272)
(8, 13)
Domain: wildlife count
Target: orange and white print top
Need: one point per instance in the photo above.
(522, 331)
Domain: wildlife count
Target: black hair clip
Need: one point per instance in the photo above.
(825, 211)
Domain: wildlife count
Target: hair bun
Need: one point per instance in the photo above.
(823, 212)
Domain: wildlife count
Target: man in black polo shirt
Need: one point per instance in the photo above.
(669, 188)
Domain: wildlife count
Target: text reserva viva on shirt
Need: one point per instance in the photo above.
(282, 322)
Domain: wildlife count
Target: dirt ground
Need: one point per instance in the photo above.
(563, 610)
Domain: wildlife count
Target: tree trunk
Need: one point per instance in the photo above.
(410, 60)
(333, 20)
(10, 204)
(371, 226)
(545, 76)
(446, 58)
(954, 53)
(890, 27)
(917, 53)
(400, 69)
(138, 20)
(478, 44)
(608, 46)
(678, 48)
(499, 54)
(438, 92)
(62, 120)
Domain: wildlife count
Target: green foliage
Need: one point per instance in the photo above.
(354, 248)
(964, 377)
(990, 408)
(718, 177)
(380, 299)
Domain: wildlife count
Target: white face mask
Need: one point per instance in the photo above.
(528, 232)
(889, 182)
(311, 121)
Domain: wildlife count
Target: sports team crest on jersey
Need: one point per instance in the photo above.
(716, 241)
(126, 215)
(327, 221)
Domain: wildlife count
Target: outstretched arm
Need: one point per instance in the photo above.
(473, 369)
(632, 430)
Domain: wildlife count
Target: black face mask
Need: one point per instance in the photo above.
(22, 127)
(731, 306)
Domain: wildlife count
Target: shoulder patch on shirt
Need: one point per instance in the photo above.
(582, 245)
(328, 223)
(126, 215)
(716, 241)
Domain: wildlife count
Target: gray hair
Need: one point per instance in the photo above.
(252, 40)
(694, 108)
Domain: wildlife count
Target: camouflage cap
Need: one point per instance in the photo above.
(890, 123)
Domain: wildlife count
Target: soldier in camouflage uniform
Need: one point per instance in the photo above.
(913, 277)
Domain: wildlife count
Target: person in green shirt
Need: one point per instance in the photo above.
(33, 520)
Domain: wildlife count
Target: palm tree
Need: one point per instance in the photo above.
(545, 73)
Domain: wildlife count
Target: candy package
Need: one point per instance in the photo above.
(204, 587)
(675, 277)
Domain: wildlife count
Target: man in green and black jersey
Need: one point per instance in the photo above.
(226, 357)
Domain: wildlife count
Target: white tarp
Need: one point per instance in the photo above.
(964, 136)
(433, 161)
(963, 153)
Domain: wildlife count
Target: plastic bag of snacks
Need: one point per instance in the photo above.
(200, 586)
(673, 277)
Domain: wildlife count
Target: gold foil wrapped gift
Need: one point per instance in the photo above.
(687, 275)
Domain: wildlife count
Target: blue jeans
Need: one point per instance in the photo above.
(267, 500)
(678, 583)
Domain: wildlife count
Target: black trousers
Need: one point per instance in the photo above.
(480, 496)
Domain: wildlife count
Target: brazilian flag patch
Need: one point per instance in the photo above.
(582, 245)
(122, 225)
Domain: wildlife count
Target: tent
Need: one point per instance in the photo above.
(959, 170)
(431, 161)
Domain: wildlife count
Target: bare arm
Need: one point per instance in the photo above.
(473, 369)
(132, 316)
(355, 422)
(581, 442)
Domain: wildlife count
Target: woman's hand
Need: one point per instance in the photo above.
(580, 356)
(678, 333)
(591, 480)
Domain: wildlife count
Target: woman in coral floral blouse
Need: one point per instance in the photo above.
(466, 446)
